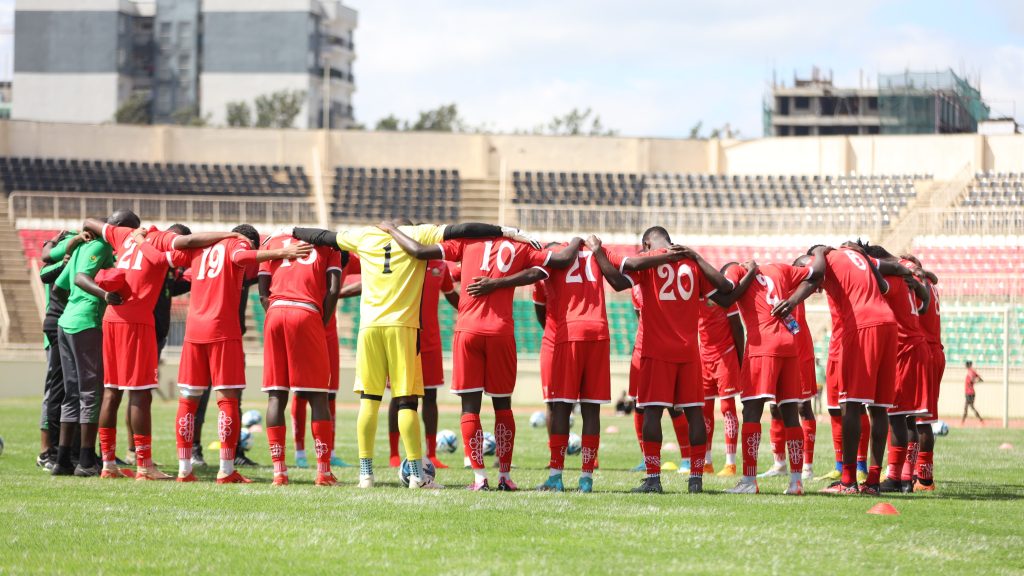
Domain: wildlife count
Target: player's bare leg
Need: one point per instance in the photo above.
(473, 438)
(277, 432)
(108, 433)
(298, 411)
(836, 421)
(809, 425)
(229, 428)
(430, 426)
(394, 436)
(591, 440)
(558, 442)
(139, 410)
(879, 419)
(504, 441)
(652, 439)
(323, 428)
(681, 427)
(851, 429)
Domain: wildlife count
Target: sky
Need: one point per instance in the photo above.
(657, 67)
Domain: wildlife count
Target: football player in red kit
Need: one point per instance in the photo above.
(721, 351)
(299, 297)
(673, 279)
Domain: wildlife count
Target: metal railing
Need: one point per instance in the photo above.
(162, 208)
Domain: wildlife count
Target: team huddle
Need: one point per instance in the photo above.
(705, 334)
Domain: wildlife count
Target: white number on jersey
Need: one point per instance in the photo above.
(857, 260)
(500, 259)
(307, 260)
(574, 276)
(772, 298)
(212, 263)
(125, 261)
(674, 279)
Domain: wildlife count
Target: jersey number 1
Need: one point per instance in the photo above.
(387, 258)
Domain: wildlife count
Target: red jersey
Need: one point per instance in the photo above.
(302, 279)
(637, 296)
(217, 276)
(969, 382)
(545, 297)
(349, 271)
(143, 277)
(715, 330)
(496, 258)
(854, 298)
(575, 301)
(437, 281)
(804, 341)
(930, 321)
(905, 306)
(766, 334)
(672, 296)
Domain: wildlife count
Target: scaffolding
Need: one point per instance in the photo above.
(929, 103)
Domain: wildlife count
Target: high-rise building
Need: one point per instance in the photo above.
(80, 60)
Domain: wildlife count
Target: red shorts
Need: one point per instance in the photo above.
(547, 354)
(220, 363)
(928, 402)
(295, 350)
(484, 363)
(774, 378)
(911, 375)
(808, 378)
(433, 368)
(129, 356)
(669, 384)
(334, 360)
(582, 373)
(722, 376)
(873, 367)
(634, 374)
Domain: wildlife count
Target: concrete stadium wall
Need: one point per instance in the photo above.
(481, 155)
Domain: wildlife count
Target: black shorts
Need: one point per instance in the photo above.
(970, 398)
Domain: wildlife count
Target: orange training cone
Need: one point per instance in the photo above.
(883, 509)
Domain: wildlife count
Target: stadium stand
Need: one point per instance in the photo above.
(78, 175)
(368, 194)
(993, 189)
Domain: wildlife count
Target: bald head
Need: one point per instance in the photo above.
(125, 218)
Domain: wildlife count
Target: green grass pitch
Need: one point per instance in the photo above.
(974, 524)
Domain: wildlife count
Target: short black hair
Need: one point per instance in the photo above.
(802, 260)
(124, 217)
(655, 230)
(180, 229)
(811, 249)
(876, 251)
(727, 266)
(249, 232)
(969, 363)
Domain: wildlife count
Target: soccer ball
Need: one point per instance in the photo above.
(940, 428)
(538, 419)
(245, 440)
(489, 444)
(447, 441)
(575, 445)
(428, 470)
(251, 417)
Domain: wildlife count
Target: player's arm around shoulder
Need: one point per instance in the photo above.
(739, 281)
(410, 245)
(612, 273)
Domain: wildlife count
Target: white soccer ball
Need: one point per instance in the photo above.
(251, 417)
(245, 440)
(940, 428)
(575, 445)
(447, 441)
(428, 471)
(538, 419)
(489, 444)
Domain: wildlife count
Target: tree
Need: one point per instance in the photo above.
(189, 116)
(279, 109)
(239, 114)
(389, 123)
(576, 123)
(695, 130)
(135, 110)
(444, 118)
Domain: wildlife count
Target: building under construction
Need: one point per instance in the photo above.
(904, 103)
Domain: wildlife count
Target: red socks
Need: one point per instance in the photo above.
(638, 426)
(143, 450)
(874, 475)
(299, 421)
(924, 465)
(228, 427)
(108, 445)
(837, 436)
(589, 452)
(431, 446)
(682, 429)
(910, 462)
(865, 436)
(322, 430)
(897, 458)
(185, 425)
(652, 457)
(709, 421)
(777, 436)
(810, 428)
(331, 405)
(558, 444)
(393, 438)
(473, 440)
(505, 439)
(849, 474)
(751, 443)
(276, 438)
(697, 460)
(795, 448)
(732, 424)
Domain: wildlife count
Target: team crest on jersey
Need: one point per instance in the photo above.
(435, 271)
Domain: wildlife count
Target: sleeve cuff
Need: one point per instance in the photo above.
(441, 248)
(546, 275)
(547, 259)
